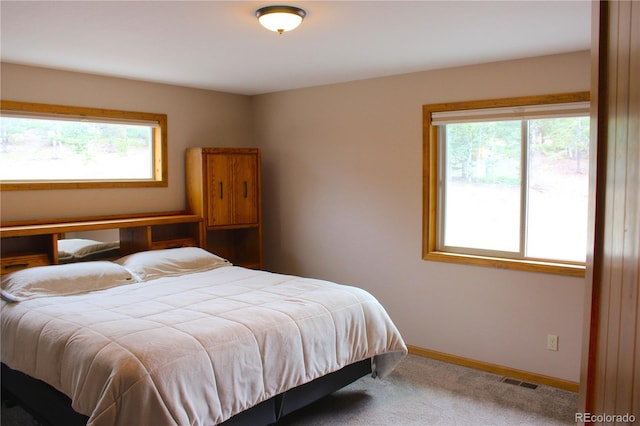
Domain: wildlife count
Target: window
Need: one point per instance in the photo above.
(56, 147)
(506, 182)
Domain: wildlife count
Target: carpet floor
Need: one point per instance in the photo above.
(422, 391)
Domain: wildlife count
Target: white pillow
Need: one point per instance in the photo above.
(60, 280)
(149, 265)
(79, 248)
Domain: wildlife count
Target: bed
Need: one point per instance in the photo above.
(181, 336)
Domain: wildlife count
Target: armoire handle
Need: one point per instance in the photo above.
(246, 189)
(221, 191)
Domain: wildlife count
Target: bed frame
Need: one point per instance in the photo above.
(51, 407)
(33, 243)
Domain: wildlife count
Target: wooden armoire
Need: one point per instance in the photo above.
(223, 187)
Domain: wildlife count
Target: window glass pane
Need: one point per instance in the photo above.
(558, 188)
(482, 185)
(45, 150)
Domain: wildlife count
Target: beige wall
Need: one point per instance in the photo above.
(342, 173)
(195, 118)
(342, 176)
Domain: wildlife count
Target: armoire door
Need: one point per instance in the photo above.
(219, 173)
(245, 194)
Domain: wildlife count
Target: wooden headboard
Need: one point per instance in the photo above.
(35, 243)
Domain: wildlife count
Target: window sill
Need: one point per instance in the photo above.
(502, 263)
(50, 185)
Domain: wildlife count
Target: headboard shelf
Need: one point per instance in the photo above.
(15, 229)
(38, 239)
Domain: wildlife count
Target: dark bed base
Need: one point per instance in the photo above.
(51, 407)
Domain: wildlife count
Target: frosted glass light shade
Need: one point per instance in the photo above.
(280, 18)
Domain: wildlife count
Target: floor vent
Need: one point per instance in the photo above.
(518, 383)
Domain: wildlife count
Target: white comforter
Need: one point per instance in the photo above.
(196, 349)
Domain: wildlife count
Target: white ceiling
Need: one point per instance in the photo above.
(219, 45)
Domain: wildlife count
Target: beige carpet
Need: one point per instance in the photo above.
(422, 391)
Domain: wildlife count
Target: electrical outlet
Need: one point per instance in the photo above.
(552, 342)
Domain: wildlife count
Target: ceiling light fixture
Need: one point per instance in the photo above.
(280, 18)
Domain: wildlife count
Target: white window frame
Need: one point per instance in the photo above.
(433, 157)
(159, 164)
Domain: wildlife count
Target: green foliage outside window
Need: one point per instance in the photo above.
(474, 149)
